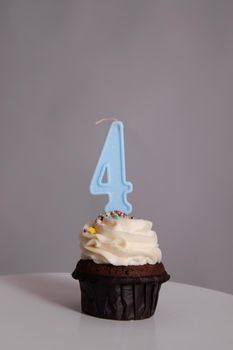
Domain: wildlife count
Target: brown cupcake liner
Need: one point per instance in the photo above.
(119, 298)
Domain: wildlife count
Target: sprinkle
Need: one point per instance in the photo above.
(91, 229)
(114, 214)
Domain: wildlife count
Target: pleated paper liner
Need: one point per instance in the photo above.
(119, 298)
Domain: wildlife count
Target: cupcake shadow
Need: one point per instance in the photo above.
(52, 288)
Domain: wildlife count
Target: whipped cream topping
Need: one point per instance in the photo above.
(120, 241)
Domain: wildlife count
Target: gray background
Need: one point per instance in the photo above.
(164, 68)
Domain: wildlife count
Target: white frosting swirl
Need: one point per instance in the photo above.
(121, 241)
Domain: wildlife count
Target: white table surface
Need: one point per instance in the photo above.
(42, 311)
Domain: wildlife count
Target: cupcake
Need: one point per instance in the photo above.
(120, 271)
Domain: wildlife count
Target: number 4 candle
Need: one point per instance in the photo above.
(112, 163)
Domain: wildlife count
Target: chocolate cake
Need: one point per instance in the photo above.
(121, 272)
(88, 267)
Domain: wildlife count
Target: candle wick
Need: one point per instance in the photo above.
(105, 119)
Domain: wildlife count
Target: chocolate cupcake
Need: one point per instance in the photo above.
(120, 271)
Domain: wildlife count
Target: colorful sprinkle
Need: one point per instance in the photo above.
(115, 214)
(91, 229)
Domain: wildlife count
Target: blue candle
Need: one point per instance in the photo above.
(112, 163)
